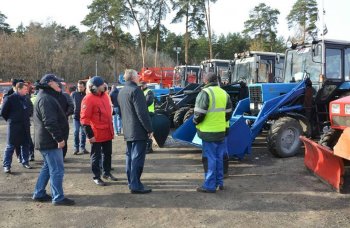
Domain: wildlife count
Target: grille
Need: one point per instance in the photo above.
(255, 94)
(341, 121)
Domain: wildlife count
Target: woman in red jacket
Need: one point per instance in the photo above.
(96, 118)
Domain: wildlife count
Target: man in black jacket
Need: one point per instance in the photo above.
(15, 110)
(137, 130)
(77, 97)
(51, 128)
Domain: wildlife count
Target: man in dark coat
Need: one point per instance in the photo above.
(117, 121)
(137, 130)
(51, 128)
(15, 110)
(67, 106)
(77, 97)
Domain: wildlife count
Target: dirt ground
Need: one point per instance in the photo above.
(261, 191)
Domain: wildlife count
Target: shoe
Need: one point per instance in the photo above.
(143, 191)
(84, 151)
(27, 166)
(32, 159)
(7, 170)
(45, 198)
(76, 152)
(99, 182)
(201, 189)
(110, 177)
(221, 188)
(64, 202)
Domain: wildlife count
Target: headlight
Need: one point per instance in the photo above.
(252, 106)
(336, 108)
(347, 109)
(259, 106)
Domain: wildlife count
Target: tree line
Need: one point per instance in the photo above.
(107, 48)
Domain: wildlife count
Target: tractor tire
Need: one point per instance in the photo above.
(188, 114)
(330, 138)
(283, 137)
(179, 116)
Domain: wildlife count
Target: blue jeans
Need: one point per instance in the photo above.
(52, 170)
(9, 150)
(79, 132)
(214, 152)
(117, 121)
(135, 160)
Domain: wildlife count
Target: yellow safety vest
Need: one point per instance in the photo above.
(151, 107)
(215, 118)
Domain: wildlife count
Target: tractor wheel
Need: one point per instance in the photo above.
(188, 114)
(283, 137)
(330, 138)
(179, 116)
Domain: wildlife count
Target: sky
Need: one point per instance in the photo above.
(226, 15)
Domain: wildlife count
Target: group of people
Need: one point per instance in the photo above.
(98, 117)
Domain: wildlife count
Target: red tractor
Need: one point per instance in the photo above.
(330, 158)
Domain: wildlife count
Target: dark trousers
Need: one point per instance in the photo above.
(135, 160)
(97, 149)
(64, 149)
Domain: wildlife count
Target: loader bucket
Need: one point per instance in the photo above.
(161, 128)
(187, 133)
(324, 164)
(239, 139)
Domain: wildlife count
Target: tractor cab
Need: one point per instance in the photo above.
(222, 67)
(184, 75)
(258, 67)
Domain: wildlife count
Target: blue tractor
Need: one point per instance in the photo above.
(314, 75)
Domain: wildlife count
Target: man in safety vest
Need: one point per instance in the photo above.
(150, 104)
(212, 110)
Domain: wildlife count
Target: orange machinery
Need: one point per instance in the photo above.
(330, 158)
(161, 75)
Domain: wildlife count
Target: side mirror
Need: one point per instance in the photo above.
(278, 58)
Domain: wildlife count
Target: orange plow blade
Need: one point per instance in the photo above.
(324, 164)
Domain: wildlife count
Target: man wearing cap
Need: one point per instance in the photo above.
(96, 118)
(51, 128)
(212, 111)
(149, 95)
(137, 130)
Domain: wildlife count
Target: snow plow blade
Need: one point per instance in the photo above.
(324, 164)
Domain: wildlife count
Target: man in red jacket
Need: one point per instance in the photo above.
(96, 118)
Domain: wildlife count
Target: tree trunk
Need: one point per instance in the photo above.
(158, 32)
(140, 32)
(207, 17)
(186, 35)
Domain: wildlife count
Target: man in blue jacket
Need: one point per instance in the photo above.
(15, 110)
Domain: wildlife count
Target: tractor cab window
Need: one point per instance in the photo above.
(265, 71)
(347, 64)
(333, 63)
(300, 62)
(244, 69)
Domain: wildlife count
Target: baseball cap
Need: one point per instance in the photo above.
(49, 78)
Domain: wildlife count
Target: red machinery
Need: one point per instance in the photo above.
(329, 159)
(160, 75)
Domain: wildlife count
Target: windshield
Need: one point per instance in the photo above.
(192, 74)
(300, 61)
(245, 70)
